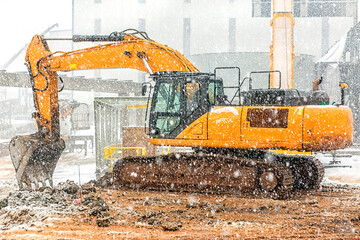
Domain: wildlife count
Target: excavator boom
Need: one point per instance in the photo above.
(128, 51)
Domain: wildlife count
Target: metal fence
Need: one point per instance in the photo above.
(111, 115)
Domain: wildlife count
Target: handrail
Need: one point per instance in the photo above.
(239, 79)
(115, 152)
(269, 72)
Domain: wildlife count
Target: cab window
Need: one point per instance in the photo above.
(215, 90)
(192, 90)
(167, 107)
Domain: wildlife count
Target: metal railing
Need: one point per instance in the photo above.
(116, 152)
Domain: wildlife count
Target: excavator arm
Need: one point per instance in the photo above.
(35, 156)
(129, 51)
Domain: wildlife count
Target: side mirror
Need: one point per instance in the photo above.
(143, 90)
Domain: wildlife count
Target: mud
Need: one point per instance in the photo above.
(97, 211)
(331, 213)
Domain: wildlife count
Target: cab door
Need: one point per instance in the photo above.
(272, 124)
(195, 111)
(165, 116)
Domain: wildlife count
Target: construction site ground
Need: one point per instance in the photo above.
(333, 212)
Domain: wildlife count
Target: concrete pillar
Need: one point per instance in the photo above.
(282, 48)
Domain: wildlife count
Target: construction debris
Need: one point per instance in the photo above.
(111, 213)
(99, 209)
(69, 187)
(23, 208)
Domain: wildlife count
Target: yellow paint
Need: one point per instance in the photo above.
(290, 152)
(317, 128)
(73, 66)
(196, 130)
(115, 152)
(136, 106)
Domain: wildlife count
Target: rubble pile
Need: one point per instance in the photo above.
(26, 207)
(6, 186)
(104, 181)
(99, 209)
(160, 218)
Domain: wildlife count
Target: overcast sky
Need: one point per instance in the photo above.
(21, 19)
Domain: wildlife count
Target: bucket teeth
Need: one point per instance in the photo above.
(34, 159)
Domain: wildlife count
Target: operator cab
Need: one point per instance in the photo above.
(179, 98)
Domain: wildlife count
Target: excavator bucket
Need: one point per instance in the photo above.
(34, 159)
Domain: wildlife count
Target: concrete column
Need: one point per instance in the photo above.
(282, 48)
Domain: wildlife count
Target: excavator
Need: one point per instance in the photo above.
(230, 138)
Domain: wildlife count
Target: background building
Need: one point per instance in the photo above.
(198, 27)
(209, 32)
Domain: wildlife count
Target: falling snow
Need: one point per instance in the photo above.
(233, 127)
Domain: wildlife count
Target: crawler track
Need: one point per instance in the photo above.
(205, 173)
(307, 171)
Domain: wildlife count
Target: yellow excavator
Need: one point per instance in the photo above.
(230, 138)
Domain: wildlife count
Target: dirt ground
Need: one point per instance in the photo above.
(333, 212)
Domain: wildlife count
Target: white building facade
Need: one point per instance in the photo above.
(215, 26)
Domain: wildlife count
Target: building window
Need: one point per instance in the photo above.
(326, 8)
(309, 8)
(97, 26)
(142, 1)
(261, 8)
(186, 40)
(297, 8)
(97, 1)
(232, 34)
(231, 1)
(187, 1)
